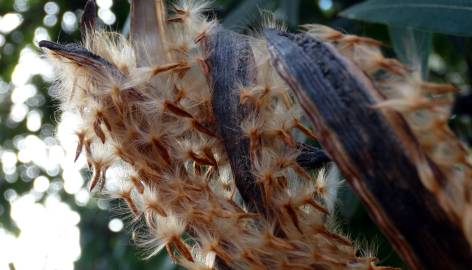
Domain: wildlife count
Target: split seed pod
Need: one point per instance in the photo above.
(376, 150)
(196, 130)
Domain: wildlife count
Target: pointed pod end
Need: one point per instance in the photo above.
(49, 45)
(89, 17)
(79, 55)
(63, 49)
(90, 6)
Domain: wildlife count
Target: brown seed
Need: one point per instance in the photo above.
(80, 145)
(175, 109)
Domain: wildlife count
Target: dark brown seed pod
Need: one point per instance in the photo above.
(80, 56)
(89, 18)
(231, 65)
(375, 150)
(311, 157)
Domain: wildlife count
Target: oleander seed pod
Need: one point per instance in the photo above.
(199, 131)
(375, 132)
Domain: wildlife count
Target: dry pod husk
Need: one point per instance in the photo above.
(420, 203)
(192, 127)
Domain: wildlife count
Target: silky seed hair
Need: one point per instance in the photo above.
(151, 138)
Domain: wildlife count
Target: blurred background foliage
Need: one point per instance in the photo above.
(50, 221)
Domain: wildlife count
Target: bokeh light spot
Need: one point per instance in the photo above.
(21, 5)
(50, 20)
(105, 3)
(41, 184)
(51, 8)
(33, 121)
(10, 22)
(2, 40)
(326, 4)
(107, 16)
(115, 225)
(69, 21)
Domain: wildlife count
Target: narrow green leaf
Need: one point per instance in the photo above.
(442, 16)
(412, 47)
(244, 14)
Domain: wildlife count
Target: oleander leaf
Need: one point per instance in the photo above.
(442, 16)
(245, 13)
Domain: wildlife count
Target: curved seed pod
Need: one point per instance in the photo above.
(79, 55)
(158, 140)
(376, 151)
(231, 65)
(89, 18)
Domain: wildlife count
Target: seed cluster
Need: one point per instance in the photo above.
(151, 138)
(153, 135)
(426, 107)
